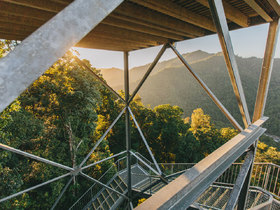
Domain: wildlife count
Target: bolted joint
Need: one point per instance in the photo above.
(76, 171)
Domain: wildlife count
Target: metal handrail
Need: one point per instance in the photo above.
(79, 201)
(265, 176)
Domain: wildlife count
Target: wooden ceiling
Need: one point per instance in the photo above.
(137, 24)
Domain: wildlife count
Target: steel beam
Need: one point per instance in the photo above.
(218, 14)
(26, 154)
(62, 192)
(261, 98)
(105, 159)
(245, 168)
(150, 69)
(266, 69)
(102, 137)
(34, 187)
(207, 90)
(80, 62)
(145, 141)
(51, 41)
(183, 191)
(103, 185)
(146, 164)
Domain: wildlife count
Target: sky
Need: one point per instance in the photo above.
(247, 42)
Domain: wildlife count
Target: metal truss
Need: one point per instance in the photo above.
(48, 43)
(27, 45)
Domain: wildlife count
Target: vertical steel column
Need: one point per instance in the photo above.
(266, 69)
(127, 128)
(261, 97)
(218, 14)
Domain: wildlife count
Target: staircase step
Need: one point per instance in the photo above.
(106, 201)
(113, 195)
(253, 198)
(204, 196)
(211, 196)
(223, 198)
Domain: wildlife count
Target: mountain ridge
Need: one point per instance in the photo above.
(171, 83)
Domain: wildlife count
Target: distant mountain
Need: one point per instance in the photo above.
(171, 83)
(115, 77)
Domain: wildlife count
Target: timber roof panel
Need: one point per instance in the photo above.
(137, 24)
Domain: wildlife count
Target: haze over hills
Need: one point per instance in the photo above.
(171, 83)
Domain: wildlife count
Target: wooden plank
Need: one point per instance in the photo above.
(134, 11)
(275, 5)
(158, 26)
(254, 5)
(27, 21)
(232, 13)
(126, 34)
(44, 5)
(140, 28)
(16, 27)
(4, 35)
(170, 8)
(22, 11)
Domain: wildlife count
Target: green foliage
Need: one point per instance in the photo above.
(54, 118)
(268, 154)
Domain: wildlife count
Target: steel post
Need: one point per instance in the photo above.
(218, 15)
(261, 97)
(127, 128)
(240, 181)
(266, 69)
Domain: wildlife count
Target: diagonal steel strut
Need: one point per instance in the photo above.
(34, 187)
(17, 151)
(48, 43)
(62, 192)
(104, 185)
(102, 137)
(145, 141)
(208, 91)
(150, 69)
(218, 15)
(98, 78)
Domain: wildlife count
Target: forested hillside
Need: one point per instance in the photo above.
(171, 83)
